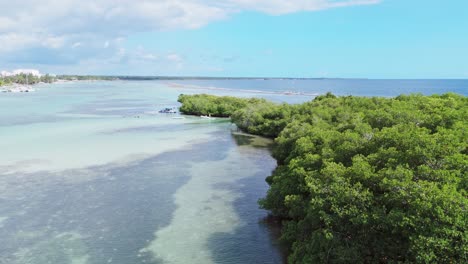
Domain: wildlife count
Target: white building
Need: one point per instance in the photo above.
(27, 71)
(5, 73)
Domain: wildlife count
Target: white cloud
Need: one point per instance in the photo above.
(140, 54)
(174, 57)
(94, 26)
(176, 60)
(278, 7)
(12, 41)
(6, 24)
(215, 69)
(76, 45)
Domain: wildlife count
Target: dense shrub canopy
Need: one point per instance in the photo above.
(216, 106)
(368, 180)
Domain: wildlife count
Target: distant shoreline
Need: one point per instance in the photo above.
(59, 78)
(201, 78)
(212, 88)
(151, 78)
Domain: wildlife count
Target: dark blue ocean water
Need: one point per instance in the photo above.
(358, 87)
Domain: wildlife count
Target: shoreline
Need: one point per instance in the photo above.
(16, 88)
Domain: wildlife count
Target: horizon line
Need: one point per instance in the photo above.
(246, 78)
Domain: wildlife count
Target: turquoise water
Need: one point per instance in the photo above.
(91, 173)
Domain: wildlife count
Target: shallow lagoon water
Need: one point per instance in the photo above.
(90, 173)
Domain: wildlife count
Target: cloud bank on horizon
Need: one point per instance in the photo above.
(73, 31)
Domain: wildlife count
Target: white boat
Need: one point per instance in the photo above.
(206, 117)
(21, 89)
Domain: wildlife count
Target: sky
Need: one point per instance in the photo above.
(378, 39)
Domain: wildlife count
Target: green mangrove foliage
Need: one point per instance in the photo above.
(368, 180)
(216, 106)
(26, 79)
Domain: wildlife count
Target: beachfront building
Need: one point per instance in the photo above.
(5, 73)
(32, 72)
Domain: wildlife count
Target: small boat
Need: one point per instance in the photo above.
(168, 110)
(178, 117)
(206, 117)
(21, 89)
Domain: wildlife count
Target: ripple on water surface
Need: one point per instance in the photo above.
(163, 209)
(85, 181)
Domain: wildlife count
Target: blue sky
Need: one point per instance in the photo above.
(315, 38)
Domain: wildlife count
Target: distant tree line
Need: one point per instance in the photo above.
(86, 78)
(363, 180)
(26, 79)
(32, 79)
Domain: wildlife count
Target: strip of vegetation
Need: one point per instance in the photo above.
(26, 79)
(86, 78)
(33, 79)
(216, 106)
(364, 180)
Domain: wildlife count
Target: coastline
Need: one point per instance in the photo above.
(213, 88)
(301, 137)
(16, 88)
